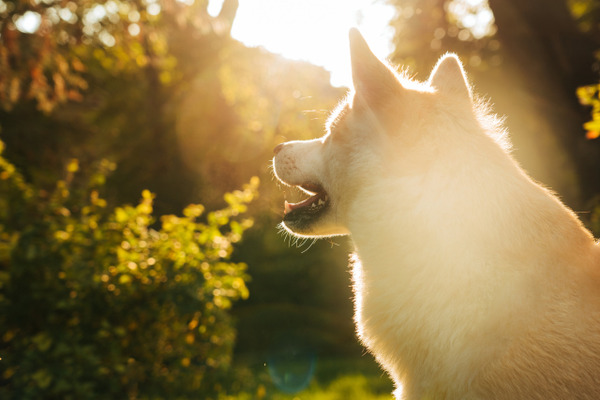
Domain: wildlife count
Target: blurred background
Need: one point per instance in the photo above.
(139, 251)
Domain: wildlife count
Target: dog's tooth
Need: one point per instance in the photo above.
(286, 207)
(321, 202)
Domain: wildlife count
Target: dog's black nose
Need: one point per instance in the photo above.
(278, 148)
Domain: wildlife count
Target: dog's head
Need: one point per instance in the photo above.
(371, 132)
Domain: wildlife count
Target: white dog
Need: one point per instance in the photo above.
(471, 281)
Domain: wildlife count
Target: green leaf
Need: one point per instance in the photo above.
(592, 126)
(42, 378)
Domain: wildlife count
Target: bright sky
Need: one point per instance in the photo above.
(313, 30)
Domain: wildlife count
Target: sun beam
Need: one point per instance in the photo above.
(313, 30)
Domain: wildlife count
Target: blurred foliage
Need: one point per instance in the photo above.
(183, 111)
(425, 29)
(587, 15)
(590, 96)
(43, 44)
(132, 58)
(347, 387)
(107, 303)
(334, 379)
(180, 107)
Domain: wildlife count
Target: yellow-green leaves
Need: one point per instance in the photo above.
(590, 96)
(114, 298)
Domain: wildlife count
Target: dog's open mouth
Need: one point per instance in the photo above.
(309, 208)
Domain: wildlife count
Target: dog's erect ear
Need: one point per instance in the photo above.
(449, 77)
(373, 80)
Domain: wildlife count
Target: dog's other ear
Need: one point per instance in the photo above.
(448, 76)
(373, 80)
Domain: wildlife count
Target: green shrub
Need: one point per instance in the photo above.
(101, 303)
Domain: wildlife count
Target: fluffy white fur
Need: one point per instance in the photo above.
(471, 281)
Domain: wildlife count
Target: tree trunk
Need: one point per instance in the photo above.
(549, 57)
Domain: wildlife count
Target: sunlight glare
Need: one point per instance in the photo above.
(312, 30)
(153, 9)
(29, 22)
(473, 15)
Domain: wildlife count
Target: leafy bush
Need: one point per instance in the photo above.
(344, 387)
(106, 303)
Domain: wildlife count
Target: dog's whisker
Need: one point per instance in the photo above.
(310, 245)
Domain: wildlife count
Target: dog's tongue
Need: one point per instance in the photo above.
(289, 207)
